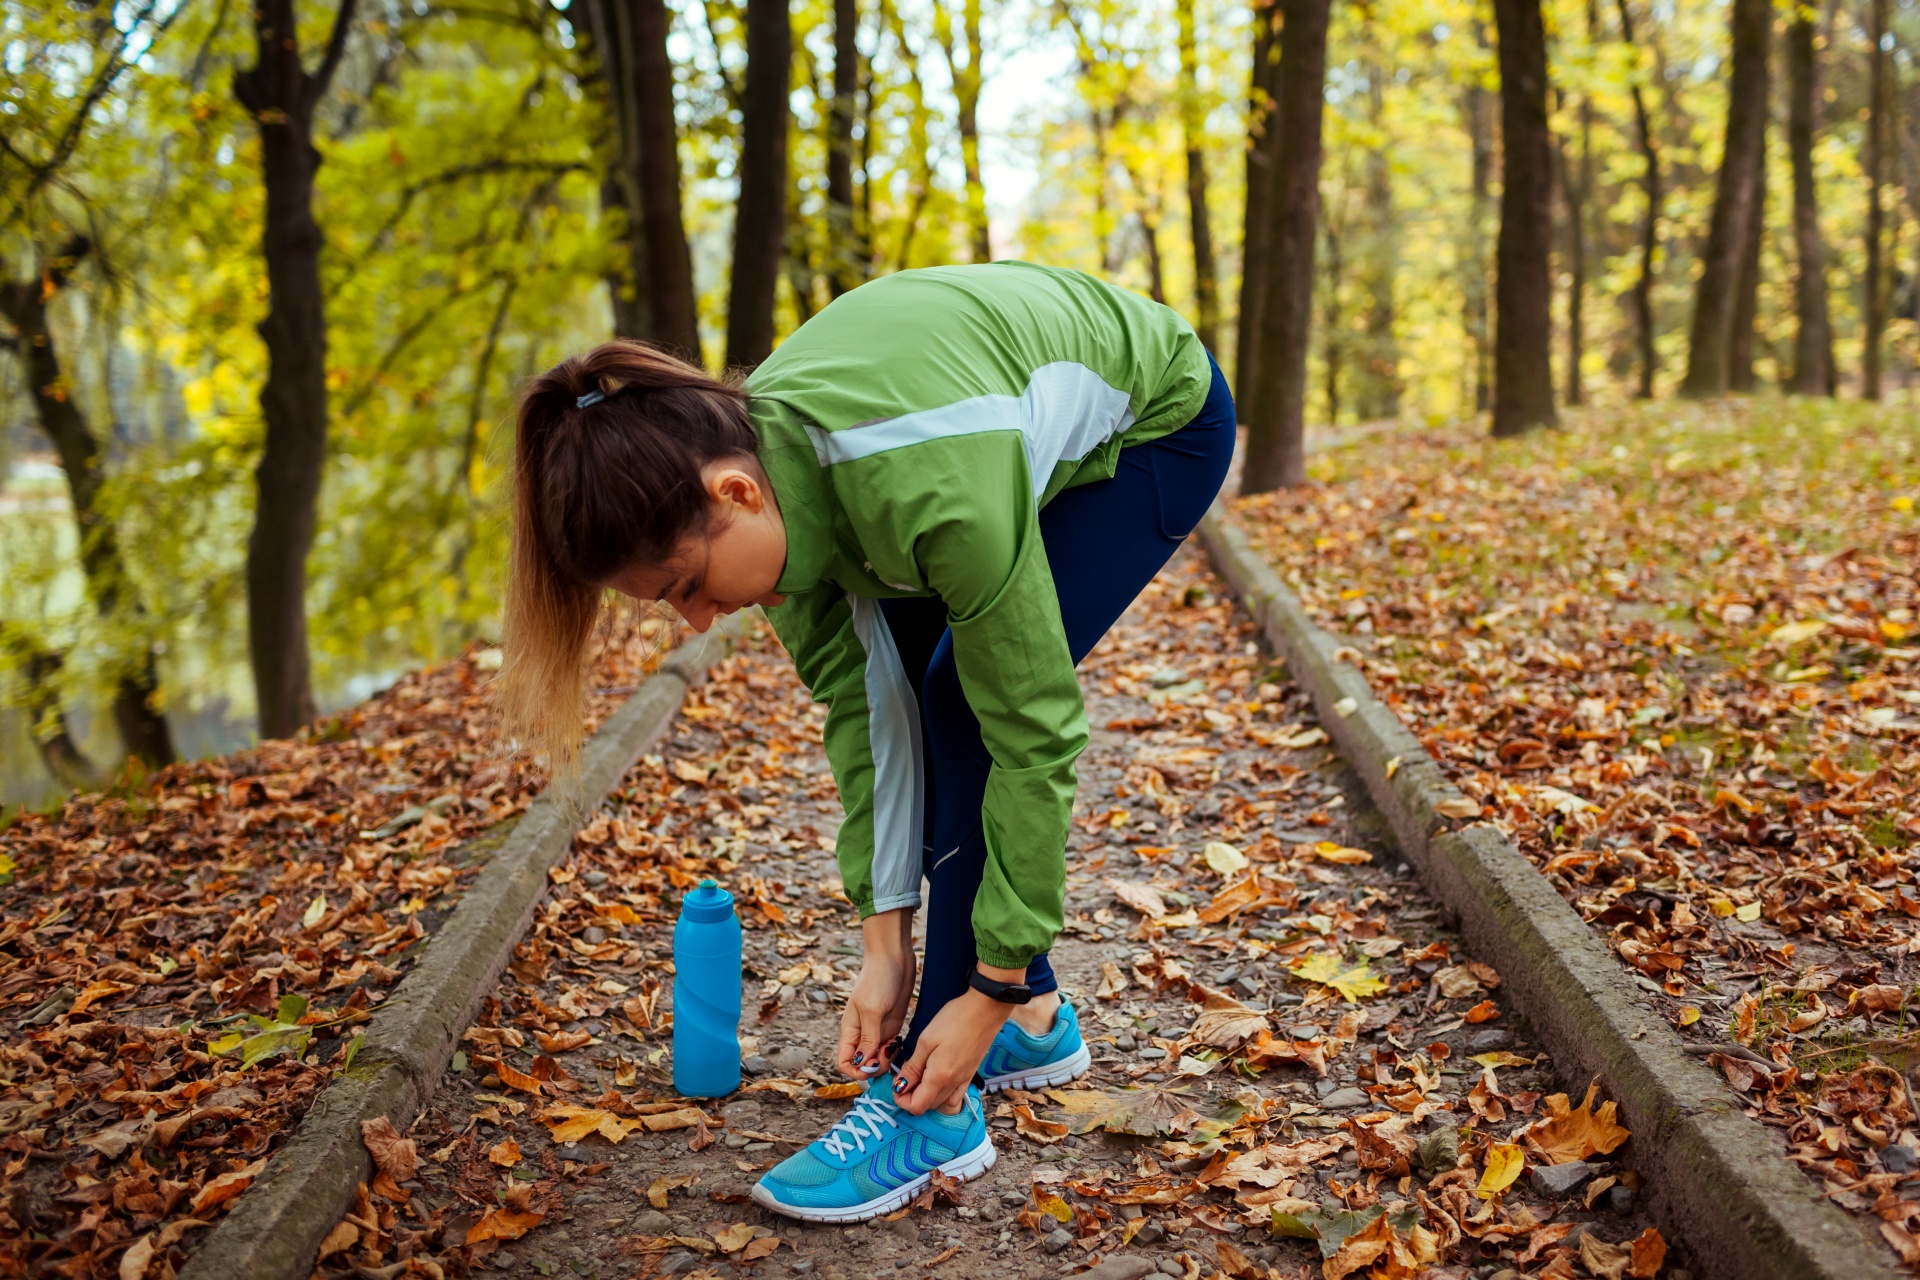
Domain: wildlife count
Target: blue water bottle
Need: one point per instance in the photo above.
(706, 994)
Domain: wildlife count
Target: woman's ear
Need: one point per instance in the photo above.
(737, 486)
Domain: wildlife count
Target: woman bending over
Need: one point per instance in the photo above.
(943, 490)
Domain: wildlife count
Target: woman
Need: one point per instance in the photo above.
(943, 489)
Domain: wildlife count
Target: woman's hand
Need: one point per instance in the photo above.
(950, 1049)
(877, 1009)
(949, 1052)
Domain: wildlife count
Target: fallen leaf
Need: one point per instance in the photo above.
(1223, 858)
(1457, 807)
(736, 1236)
(504, 1224)
(225, 1187)
(1328, 851)
(1225, 1023)
(393, 1154)
(657, 1190)
(566, 1123)
(1140, 897)
(1568, 1133)
(1485, 1011)
(1602, 1260)
(1505, 1161)
(505, 1154)
(1027, 1125)
(1145, 1111)
(1113, 981)
(840, 1089)
(1649, 1254)
(1352, 982)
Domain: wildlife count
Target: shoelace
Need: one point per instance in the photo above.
(871, 1110)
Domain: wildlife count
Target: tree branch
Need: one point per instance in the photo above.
(336, 49)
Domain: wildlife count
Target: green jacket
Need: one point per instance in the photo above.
(912, 431)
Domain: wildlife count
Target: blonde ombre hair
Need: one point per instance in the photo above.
(598, 487)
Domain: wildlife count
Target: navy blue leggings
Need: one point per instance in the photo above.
(1105, 542)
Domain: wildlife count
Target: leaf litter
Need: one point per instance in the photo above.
(186, 959)
(1674, 654)
(1229, 1092)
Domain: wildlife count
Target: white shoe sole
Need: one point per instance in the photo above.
(965, 1167)
(1071, 1067)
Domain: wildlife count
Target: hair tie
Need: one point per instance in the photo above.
(591, 398)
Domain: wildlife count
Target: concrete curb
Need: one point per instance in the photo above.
(1715, 1178)
(275, 1229)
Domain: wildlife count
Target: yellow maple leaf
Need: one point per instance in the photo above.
(1505, 1160)
(1331, 971)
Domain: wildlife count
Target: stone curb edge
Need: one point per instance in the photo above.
(1715, 1177)
(275, 1229)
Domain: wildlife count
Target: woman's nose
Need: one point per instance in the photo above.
(699, 615)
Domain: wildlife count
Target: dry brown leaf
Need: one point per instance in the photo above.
(1140, 897)
(393, 1154)
(504, 1224)
(225, 1187)
(1574, 1133)
(1045, 1132)
(505, 1154)
(1226, 1023)
(658, 1189)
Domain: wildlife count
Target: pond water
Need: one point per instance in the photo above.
(211, 703)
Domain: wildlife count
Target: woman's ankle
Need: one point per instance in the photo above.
(1036, 1017)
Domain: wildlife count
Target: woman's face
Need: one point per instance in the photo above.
(738, 565)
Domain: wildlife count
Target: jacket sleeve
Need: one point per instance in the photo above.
(846, 657)
(977, 545)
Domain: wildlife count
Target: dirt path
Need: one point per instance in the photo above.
(1197, 742)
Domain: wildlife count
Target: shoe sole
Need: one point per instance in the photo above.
(1071, 1067)
(964, 1167)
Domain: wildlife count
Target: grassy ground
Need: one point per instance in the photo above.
(1672, 651)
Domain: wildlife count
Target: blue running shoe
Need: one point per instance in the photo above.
(1020, 1061)
(877, 1159)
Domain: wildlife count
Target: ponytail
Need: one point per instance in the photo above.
(607, 474)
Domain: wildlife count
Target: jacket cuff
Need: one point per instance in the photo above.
(893, 903)
(999, 958)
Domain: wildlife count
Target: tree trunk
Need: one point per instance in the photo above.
(1650, 230)
(1206, 289)
(143, 728)
(759, 226)
(676, 312)
(281, 95)
(1873, 302)
(1746, 300)
(1813, 369)
(966, 92)
(38, 668)
(1377, 394)
(1478, 118)
(1579, 189)
(1263, 144)
(1572, 194)
(1276, 423)
(1333, 344)
(1523, 280)
(849, 255)
(1710, 344)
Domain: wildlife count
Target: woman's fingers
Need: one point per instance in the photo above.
(849, 1042)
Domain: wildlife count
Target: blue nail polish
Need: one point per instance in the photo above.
(857, 1057)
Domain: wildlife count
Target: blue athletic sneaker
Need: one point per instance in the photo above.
(1020, 1061)
(877, 1159)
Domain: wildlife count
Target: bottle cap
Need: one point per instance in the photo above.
(706, 903)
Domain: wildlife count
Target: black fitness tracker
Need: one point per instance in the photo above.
(1004, 992)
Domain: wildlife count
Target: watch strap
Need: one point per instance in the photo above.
(1004, 992)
